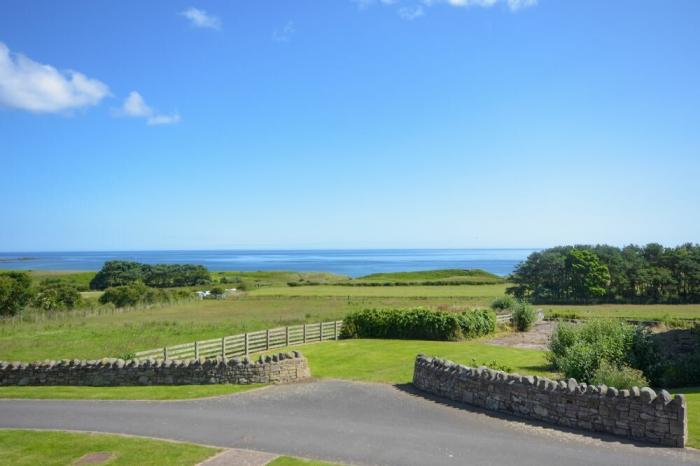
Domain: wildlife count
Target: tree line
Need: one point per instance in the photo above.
(585, 274)
(122, 273)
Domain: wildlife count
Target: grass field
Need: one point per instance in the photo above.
(481, 294)
(626, 311)
(113, 335)
(49, 448)
(178, 392)
(121, 333)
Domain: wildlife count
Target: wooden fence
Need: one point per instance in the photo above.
(503, 318)
(246, 343)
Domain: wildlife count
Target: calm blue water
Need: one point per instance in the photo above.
(353, 262)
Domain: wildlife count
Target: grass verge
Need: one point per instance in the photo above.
(292, 461)
(48, 448)
(176, 392)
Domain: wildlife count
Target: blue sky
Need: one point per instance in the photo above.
(321, 124)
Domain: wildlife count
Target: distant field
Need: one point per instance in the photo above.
(79, 279)
(625, 311)
(430, 277)
(481, 293)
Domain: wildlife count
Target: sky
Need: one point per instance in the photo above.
(207, 124)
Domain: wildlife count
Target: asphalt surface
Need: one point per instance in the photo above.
(355, 423)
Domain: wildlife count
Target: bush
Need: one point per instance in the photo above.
(503, 303)
(138, 294)
(418, 324)
(524, 316)
(578, 350)
(56, 295)
(618, 377)
(15, 292)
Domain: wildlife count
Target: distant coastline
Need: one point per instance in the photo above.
(351, 262)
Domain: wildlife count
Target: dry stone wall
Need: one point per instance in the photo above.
(639, 414)
(278, 368)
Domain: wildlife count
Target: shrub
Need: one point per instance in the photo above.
(578, 350)
(524, 316)
(417, 323)
(217, 291)
(503, 303)
(55, 295)
(15, 292)
(138, 293)
(619, 377)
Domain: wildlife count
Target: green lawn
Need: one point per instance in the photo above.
(177, 392)
(391, 361)
(47, 448)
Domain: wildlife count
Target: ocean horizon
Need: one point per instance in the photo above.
(351, 262)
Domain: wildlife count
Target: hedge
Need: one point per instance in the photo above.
(418, 324)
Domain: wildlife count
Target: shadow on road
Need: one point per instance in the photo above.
(413, 391)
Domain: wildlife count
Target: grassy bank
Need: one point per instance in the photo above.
(47, 448)
(178, 392)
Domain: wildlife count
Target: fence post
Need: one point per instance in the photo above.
(165, 353)
(196, 350)
(267, 339)
(304, 327)
(246, 344)
(286, 336)
(223, 347)
(320, 331)
(335, 330)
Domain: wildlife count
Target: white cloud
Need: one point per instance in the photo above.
(135, 107)
(28, 85)
(413, 9)
(516, 5)
(410, 13)
(201, 19)
(284, 34)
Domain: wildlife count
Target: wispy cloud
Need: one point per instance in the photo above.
(201, 19)
(410, 13)
(135, 107)
(29, 85)
(413, 9)
(284, 34)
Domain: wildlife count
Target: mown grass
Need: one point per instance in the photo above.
(48, 448)
(391, 361)
(177, 392)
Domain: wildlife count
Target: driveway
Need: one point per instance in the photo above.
(357, 423)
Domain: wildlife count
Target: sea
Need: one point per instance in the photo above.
(351, 262)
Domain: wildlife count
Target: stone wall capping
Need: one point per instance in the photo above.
(277, 368)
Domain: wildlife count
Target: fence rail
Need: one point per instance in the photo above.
(504, 318)
(250, 342)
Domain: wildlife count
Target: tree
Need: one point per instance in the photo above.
(55, 295)
(587, 277)
(15, 292)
